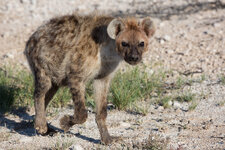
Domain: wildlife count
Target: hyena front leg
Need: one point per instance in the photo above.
(101, 87)
(77, 89)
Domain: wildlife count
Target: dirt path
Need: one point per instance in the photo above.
(202, 128)
(190, 40)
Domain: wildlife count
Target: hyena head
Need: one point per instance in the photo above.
(131, 36)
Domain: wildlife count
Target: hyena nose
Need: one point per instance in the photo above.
(134, 58)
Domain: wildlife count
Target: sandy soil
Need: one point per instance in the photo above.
(190, 41)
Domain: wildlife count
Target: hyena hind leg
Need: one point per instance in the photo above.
(43, 93)
(80, 113)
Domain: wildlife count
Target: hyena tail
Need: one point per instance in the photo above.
(29, 51)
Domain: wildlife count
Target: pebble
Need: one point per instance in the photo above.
(8, 55)
(76, 147)
(221, 142)
(125, 124)
(160, 108)
(176, 104)
(167, 37)
(170, 103)
(162, 24)
(161, 41)
(216, 25)
(169, 51)
(25, 140)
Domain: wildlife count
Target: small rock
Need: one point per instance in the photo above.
(179, 129)
(76, 147)
(167, 37)
(205, 32)
(162, 24)
(221, 142)
(125, 124)
(8, 56)
(25, 140)
(160, 108)
(155, 129)
(169, 51)
(159, 120)
(151, 107)
(170, 103)
(110, 106)
(216, 25)
(176, 104)
(161, 41)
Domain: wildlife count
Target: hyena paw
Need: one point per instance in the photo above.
(45, 130)
(66, 122)
(41, 129)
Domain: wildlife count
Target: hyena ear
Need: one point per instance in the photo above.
(148, 27)
(115, 27)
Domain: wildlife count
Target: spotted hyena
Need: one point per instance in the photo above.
(71, 50)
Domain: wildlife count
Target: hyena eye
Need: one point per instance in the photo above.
(125, 44)
(141, 44)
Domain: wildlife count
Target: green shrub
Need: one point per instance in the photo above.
(134, 85)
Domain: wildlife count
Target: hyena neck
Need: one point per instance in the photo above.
(108, 52)
(110, 59)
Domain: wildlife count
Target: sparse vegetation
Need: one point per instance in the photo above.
(180, 82)
(221, 103)
(183, 81)
(222, 79)
(89, 95)
(193, 105)
(61, 145)
(134, 85)
(61, 98)
(164, 101)
(154, 142)
(185, 97)
(127, 88)
(16, 90)
(202, 78)
(138, 109)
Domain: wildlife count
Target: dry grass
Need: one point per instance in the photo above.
(154, 142)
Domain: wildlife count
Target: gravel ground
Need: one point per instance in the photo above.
(190, 41)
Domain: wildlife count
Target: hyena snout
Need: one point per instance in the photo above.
(133, 58)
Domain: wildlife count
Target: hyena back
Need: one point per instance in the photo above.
(71, 50)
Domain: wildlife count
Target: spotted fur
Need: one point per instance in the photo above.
(71, 50)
